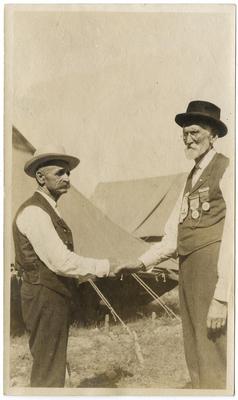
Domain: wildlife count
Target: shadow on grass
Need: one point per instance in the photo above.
(105, 379)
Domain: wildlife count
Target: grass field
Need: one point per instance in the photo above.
(102, 356)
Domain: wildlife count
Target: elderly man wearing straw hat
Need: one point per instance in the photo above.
(44, 254)
(198, 231)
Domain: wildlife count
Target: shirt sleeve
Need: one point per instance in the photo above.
(167, 248)
(226, 256)
(52, 251)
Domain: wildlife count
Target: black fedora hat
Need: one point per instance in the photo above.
(202, 111)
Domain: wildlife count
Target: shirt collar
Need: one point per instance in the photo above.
(48, 198)
(206, 159)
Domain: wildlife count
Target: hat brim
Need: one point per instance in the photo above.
(184, 118)
(34, 163)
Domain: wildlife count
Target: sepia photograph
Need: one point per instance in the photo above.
(119, 151)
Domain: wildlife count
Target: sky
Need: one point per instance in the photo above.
(107, 82)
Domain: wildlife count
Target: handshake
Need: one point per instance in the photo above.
(138, 266)
(125, 269)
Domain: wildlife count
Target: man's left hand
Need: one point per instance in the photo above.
(217, 314)
(128, 268)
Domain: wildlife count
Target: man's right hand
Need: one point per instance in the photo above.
(125, 269)
(217, 315)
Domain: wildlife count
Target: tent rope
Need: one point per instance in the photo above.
(115, 315)
(155, 296)
(106, 302)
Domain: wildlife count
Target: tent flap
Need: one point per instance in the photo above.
(140, 206)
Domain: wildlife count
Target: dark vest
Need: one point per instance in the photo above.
(33, 269)
(207, 227)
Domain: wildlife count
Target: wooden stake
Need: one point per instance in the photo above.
(106, 325)
(68, 372)
(153, 316)
(138, 350)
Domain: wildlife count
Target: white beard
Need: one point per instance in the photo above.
(191, 154)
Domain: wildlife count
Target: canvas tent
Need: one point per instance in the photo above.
(142, 206)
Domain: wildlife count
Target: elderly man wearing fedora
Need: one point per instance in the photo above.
(45, 255)
(197, 234)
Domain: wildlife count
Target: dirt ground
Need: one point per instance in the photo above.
(108, 356)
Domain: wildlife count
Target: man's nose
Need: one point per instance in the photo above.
(66, 178)
(189, 139)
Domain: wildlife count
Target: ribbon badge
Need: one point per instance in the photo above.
(194, 205)
(184, 208)
(204, 198)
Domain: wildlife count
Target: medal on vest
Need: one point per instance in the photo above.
(195, 214)
(206, 206)
(194, 204)
(204, 198)
(184, 208)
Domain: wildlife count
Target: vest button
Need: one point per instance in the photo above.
(65, 230)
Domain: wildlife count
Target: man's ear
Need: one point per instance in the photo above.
(213, 138)
(40, 178)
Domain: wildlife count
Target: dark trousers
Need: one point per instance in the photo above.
(46, 316)
(205, 353)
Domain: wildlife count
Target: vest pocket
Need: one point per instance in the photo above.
(31, 276)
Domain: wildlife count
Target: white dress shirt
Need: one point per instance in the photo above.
(34, 223)
(168, 246)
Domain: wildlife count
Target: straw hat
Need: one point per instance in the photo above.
(49, 153)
